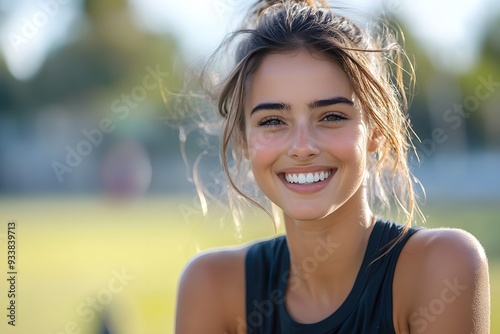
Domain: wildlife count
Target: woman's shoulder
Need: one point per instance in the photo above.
(223, 264)
(228, 260)
(216, 261)
(442, 270)
(212, 290)
(214, 271)
(444, 249)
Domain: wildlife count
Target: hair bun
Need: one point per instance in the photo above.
(261, 5)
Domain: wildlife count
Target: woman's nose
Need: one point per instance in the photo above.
(303, 144)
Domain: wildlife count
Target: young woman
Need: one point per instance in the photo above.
(317, 107)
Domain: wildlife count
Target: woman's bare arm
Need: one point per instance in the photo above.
(453, 289)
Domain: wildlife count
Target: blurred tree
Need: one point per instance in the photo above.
(484, 125)
(447, 100)
(419, 112)
(7, 84)
(106, 56)
(98, 73)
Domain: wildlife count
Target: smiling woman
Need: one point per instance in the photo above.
(312, 129)
(316, 106)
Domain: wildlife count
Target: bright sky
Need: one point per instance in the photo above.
(448, 29)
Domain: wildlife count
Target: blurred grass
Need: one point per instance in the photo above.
(69, 247)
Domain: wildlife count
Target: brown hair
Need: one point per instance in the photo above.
(374, 63)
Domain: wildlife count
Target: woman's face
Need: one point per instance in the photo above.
(306, 135)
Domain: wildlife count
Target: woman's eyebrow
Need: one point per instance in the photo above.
(330, 102)
(271, 106)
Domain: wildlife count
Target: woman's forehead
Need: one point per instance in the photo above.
(298, 75)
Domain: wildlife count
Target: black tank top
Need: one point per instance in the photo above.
(367, 308)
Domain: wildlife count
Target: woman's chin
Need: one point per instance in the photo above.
(306, 214)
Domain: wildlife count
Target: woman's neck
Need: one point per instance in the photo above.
(326, 254)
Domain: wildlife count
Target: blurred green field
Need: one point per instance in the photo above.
(70, 251)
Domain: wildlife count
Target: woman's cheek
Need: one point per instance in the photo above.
(261, 145)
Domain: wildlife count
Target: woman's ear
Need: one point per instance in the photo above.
(374, 141)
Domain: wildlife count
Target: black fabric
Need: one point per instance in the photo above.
(367, 308)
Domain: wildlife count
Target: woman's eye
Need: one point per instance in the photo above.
(271, 122)
(333, 118)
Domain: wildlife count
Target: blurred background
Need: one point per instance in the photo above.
(92, 172)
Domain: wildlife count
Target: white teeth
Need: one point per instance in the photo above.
(316, 177)
(307, 178)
